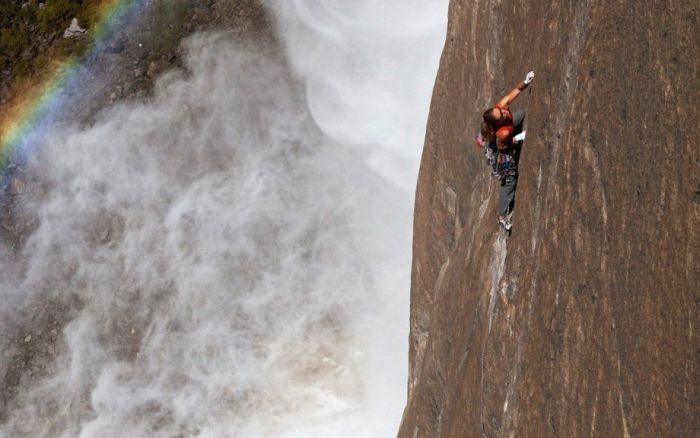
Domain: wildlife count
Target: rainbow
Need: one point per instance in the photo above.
(33, 114)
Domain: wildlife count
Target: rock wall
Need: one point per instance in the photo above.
(584, 322)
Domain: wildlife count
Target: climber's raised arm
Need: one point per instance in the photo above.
(510, 97)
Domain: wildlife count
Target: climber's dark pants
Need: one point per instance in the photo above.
(506, 197)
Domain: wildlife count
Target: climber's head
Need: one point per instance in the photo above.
(494, 116)
(491, 118)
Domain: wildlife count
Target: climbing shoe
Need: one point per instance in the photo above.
(505, 223)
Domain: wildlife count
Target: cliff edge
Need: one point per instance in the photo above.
(584, 322)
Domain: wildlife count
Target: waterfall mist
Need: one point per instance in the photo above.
(232, 257)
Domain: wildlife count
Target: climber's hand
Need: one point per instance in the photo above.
(519, 137)
(529, 77)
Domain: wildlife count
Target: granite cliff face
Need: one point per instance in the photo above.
(584, 322)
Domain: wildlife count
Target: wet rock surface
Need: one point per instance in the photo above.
(583, 322)
(149, 45)
(126, 67)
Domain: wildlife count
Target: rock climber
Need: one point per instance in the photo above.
(503, 135)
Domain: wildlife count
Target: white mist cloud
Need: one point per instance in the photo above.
(369, 68)
(228, 268)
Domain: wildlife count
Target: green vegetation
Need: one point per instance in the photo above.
(32, 43)
(31, 31)
(55, 13)
(14, 31)
(30, 34)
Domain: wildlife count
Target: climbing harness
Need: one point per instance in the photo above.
(506, 162)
